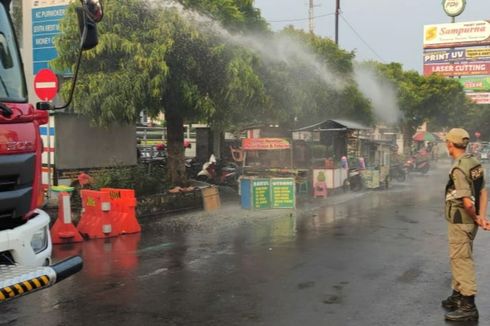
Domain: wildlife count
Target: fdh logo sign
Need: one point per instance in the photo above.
(453, 8)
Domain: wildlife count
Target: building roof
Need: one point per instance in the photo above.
(334, 125)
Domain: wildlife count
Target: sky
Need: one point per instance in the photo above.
(381, 30)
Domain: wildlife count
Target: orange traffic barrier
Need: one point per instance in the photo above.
(63, 230)
(95, 220)
(123, 210)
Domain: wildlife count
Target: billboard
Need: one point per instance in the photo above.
(479, 98)
(473, 33)
(46, 17)
(458, 69)
(476, 84)
(456, 55)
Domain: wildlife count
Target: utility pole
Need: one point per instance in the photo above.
(337, 13)
(311, 16)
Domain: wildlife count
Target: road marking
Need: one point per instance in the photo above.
(46, 85)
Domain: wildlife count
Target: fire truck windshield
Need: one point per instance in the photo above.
(12, 85)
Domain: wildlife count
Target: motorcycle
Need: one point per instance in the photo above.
(398, 172)
(354, 180)
(223, 174)
(417, 165)
(154, 156)
(192, 167)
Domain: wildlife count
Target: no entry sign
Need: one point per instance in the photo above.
(46, 85)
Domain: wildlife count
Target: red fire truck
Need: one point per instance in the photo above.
(25, 242)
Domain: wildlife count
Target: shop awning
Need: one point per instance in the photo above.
(334, 125)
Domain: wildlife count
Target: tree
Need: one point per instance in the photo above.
(313, 81)
(434, 99)
(156, 59)
(476, 120)
(126, 71)
(17, 18)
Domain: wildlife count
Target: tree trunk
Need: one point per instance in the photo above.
(175, 148)
(408, 132)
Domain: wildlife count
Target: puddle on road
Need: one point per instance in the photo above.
(195, 242)
(103, 257)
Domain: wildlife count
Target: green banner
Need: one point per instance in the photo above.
(283, 195)
(475, 83)
(261, 195)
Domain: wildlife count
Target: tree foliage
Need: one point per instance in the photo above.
(439, 101)
(157, 60)
(126, 72)
(191, 63)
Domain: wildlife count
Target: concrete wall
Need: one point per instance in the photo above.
(80, 146)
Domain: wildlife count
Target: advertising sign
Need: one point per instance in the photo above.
(261, 193)
(457, 34)
(477, 84)
(453, 8)
(254, 144)
(45, 27)
(456, 55)
(479, 98)
(458, 69)
(283, 191)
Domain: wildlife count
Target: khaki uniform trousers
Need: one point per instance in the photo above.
(461, 238)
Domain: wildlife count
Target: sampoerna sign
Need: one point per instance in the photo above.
(473, 33)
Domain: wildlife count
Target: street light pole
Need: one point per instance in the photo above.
(311, 17)
(337, 13)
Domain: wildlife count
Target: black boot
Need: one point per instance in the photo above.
(466, 311)
(453, 301)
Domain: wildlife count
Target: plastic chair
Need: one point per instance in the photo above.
(320, 190)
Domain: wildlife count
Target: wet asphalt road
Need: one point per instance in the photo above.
(375, 258)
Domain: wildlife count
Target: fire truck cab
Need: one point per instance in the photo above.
(25, 242)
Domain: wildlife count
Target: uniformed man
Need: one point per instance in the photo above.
(466, 207)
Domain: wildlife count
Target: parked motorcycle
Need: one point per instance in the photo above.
(218, 173)
(354, 180)
(153, 156)
(417, 165)
(192, 167)
(398, 172)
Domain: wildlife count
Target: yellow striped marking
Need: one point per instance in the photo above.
(19, 288)
(9, 291)
(45, 279)
(36, 282)
(27, 285)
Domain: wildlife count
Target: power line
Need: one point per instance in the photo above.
(300, 19)
(360, 37)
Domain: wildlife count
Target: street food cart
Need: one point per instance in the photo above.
(377, 154)
(268, 180)
(341, 139)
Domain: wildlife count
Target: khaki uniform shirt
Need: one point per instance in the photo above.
(455, 212)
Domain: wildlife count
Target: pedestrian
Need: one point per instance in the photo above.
(466, 207)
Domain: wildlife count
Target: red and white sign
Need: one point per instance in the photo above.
(46, 85)
(257, 144)
(458, 69)
(479, 98)
(457, 34)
